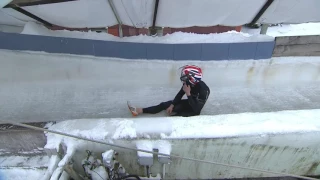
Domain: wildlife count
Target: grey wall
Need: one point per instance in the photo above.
(205, 52)
(297, 46)
(22, 141)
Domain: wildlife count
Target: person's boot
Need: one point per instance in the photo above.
(132, 109)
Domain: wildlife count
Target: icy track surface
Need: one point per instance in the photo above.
(50, 87)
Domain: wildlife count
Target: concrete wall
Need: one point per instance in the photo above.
(290, 153)
(293, 153)
(297, 46)
(201, 51)
(22, 142)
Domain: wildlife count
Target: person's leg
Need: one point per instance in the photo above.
(183, 105)
(183, 109)
(154, 109)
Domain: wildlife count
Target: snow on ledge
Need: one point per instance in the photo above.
(150, 133)
(163, 147)
(231, 125)
(32, 28)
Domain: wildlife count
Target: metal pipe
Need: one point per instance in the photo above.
(117, 17)
(163, 171)
(264, 29)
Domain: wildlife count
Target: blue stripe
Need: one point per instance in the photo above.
(128, 50)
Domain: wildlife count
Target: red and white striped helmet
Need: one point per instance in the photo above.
(192, 73)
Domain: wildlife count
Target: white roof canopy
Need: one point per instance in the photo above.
(171, 13)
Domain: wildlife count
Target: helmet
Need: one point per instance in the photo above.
(191, 73)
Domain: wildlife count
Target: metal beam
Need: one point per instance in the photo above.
(153, 30)
(23, 3)
(19, 9)
(262, 10)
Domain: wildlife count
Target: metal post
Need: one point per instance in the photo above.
(163, 171)
(264, 29)
(117, 17)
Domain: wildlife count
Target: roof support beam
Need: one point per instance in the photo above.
(23, 3)
(19, 9)
(153, 30)
(262, 10)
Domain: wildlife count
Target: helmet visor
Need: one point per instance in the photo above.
(184, 78)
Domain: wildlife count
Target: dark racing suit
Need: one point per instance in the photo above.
(191, 106)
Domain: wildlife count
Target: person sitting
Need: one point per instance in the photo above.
(193, 87)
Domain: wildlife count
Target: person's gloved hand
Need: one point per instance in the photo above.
(169, 109)
(186, 89)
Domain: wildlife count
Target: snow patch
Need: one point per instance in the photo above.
(125, 129)
(218, 126)
(99, 173)
(302, 29)
(162, 146)
(144, 145)
(107, 156)
(21, 174)
(53, 163)
(24, 161)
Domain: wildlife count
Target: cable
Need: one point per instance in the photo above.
(157, 153)
(98, 174)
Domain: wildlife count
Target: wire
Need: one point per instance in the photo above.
(98, 174)
(157, 153)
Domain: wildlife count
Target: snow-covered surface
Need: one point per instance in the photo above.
(21, 174)
(178, 37)
(23, 167)
(24, 161)
(158, 131)
(107, 157)
(168, 128)
(161, 128)
(288, 30)
(53, 163)
(229, 125)
(161, 145)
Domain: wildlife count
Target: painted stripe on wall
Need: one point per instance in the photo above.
(128, 50)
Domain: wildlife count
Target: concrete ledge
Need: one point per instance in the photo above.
(294, 40)
(297, 50)
(129, 50)
(297, 46)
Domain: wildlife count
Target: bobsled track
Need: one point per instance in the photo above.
(39, 87)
